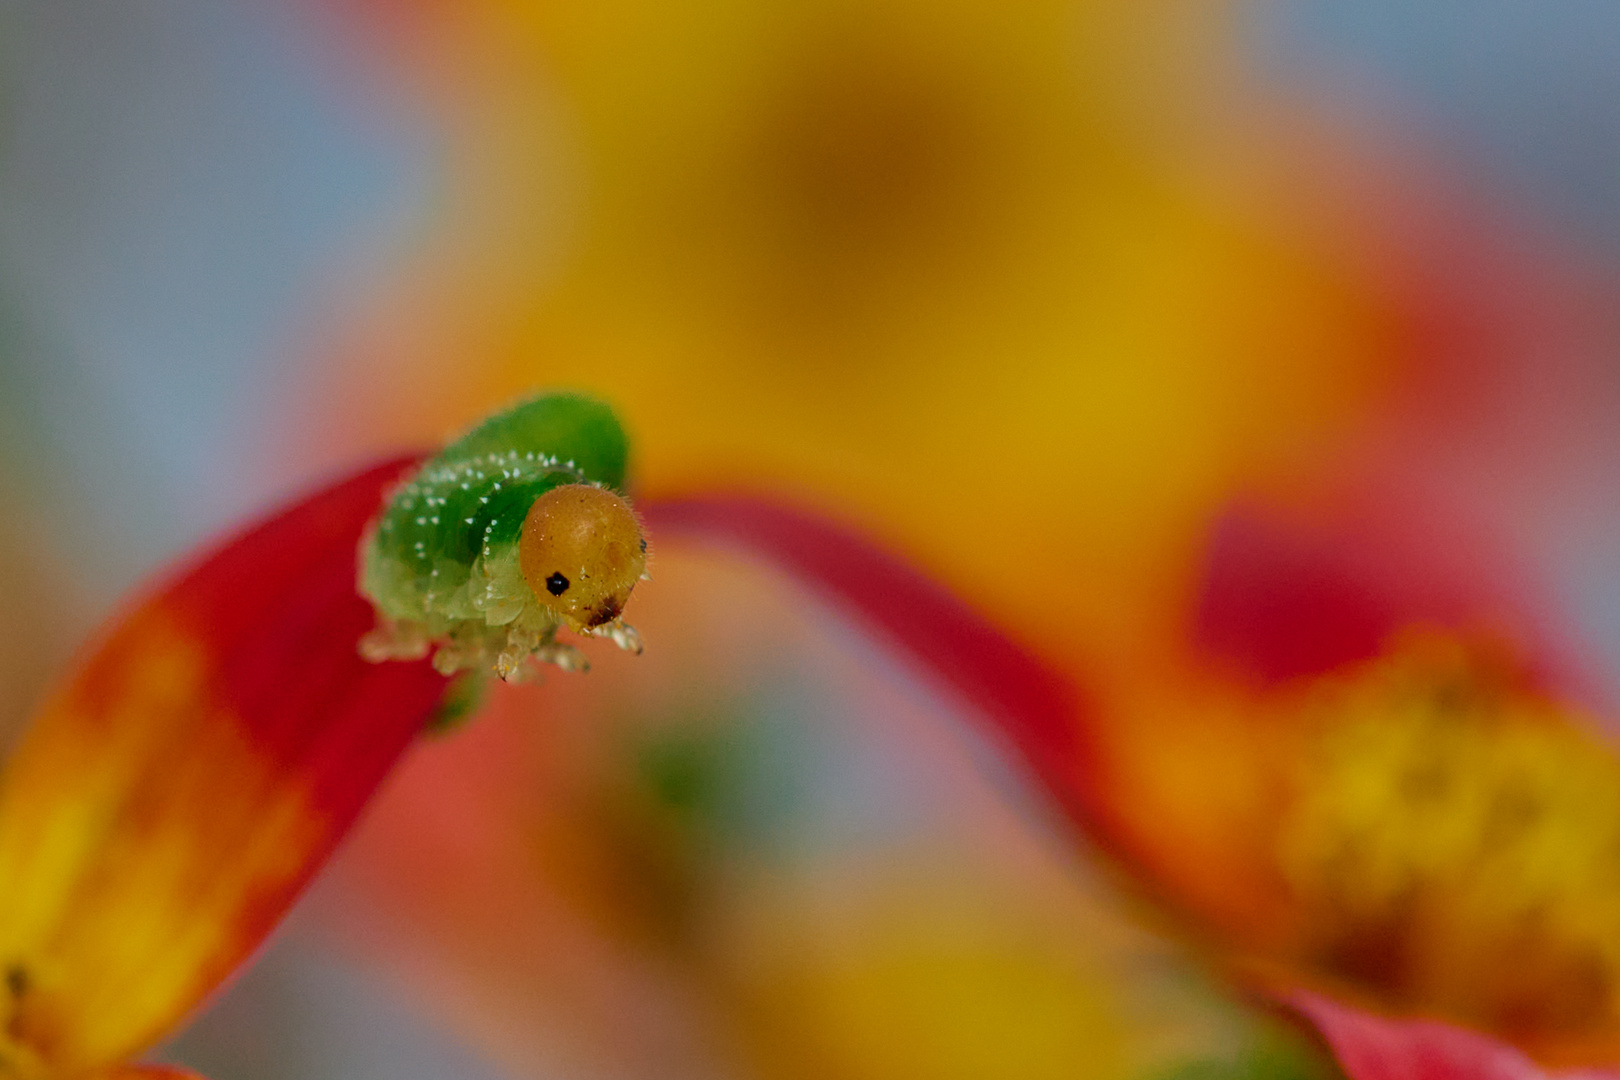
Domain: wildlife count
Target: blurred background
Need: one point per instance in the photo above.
(1028, 292)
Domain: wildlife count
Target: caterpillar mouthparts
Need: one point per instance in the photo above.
(510, 534)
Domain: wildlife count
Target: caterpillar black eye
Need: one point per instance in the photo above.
(556, 584)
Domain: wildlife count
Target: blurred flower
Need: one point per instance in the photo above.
(179, 790)
(1017, 291)
(1384, 783)
(760, 850)
(1006, 284)
(1011, 289)
(1361, 788)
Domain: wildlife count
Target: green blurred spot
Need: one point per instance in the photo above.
(691, 771)
(1277, 1053)
(462, 699)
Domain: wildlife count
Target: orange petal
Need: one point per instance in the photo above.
(178, 791)
(148, 1072)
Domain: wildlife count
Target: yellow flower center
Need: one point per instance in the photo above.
(1455, 842)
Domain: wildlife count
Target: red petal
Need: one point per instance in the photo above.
(1370, 1047)
(1036, 706)
(1287, 597)
(196, 769)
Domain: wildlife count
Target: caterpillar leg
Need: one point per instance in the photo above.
(566, 657)
(391, 640)
(621, 634)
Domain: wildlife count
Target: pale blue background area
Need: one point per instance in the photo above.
(179, 182)
(1520, 102)
(300, 1014)
(1523, 98)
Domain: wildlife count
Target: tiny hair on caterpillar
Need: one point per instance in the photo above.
(516, 530)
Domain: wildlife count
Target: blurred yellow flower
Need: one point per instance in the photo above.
(1010, 287)
(999, 281)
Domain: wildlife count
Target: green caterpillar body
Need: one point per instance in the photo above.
(444, 562)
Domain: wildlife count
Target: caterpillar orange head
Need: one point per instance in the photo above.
(581, 551)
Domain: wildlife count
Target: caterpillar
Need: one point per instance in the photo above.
(512, 532)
